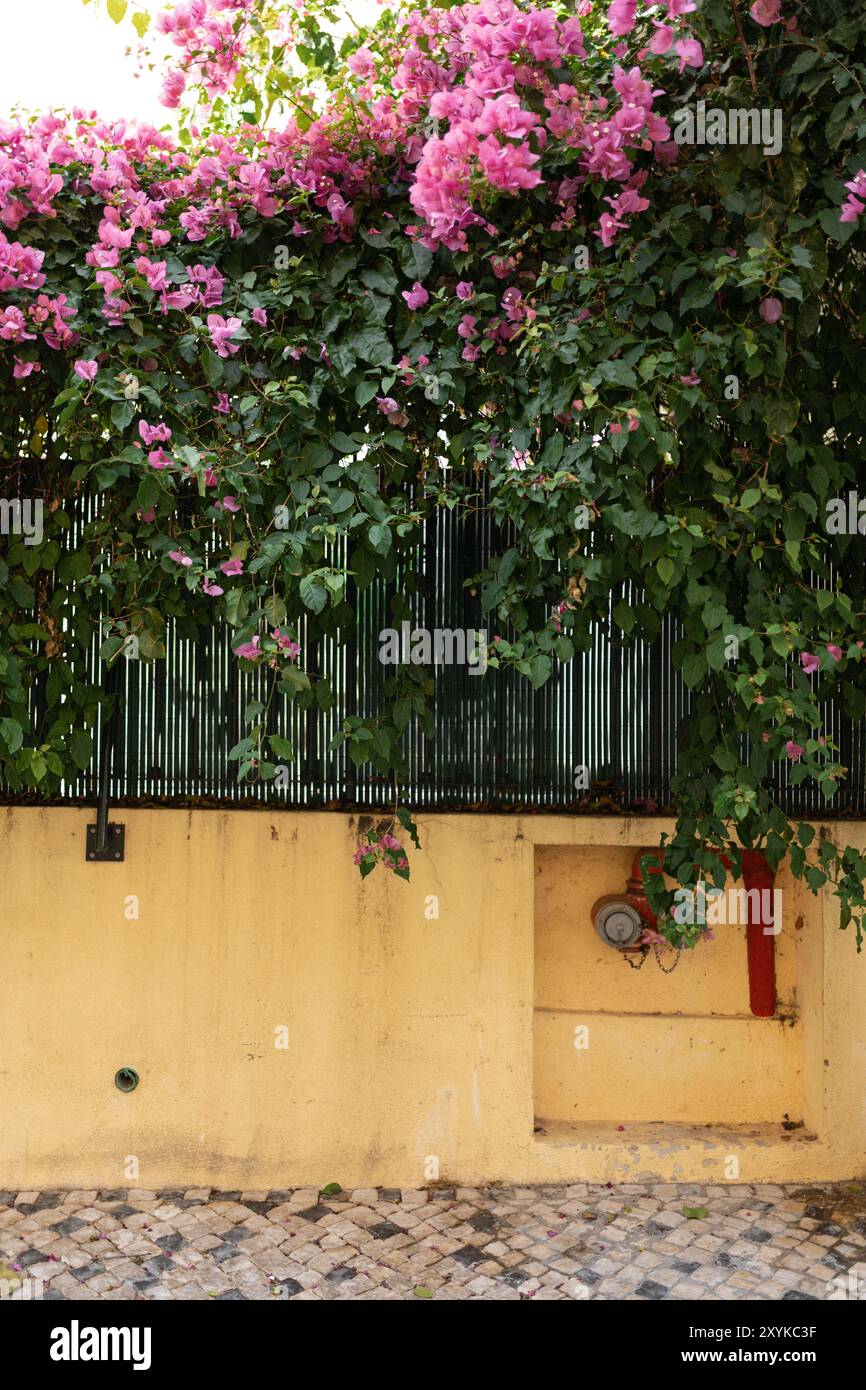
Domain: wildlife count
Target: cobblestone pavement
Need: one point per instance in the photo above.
(566, 1242)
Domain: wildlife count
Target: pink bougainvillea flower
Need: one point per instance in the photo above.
(465, 289)
(766, 12)
(361, 62)
(153, 434)
(692, 379)
(180, 558)
(223, 405)
(621, 16)
(616, 427)
(149, 514)
(286, 643)
(158, 458)
(835, 652)
(211, 589)
(855, 204)
(229, 503)
(417, 297)
(86, 370)
(232, 566)
(387, 404)
(809, 662)
(770, 309)
(260, 316)
(221, 331)
(690, 53)
(21, 370)
(249, 650)
(662, 40)
(794, 751)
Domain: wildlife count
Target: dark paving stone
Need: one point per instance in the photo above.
(758, 1236)
(484, 1221)
(830, 1228)
(384, 1230)
(30, 1257)
(111, 1195)
(723, 1259)
(54, 1296)
(172, 1242)
(444, 1194)
(276, 1199)
(794, 1295)
(588, 1276)
(313, 1213)
(469, 1255)
(341, 1276)
(838, 1262)
(289, 1287)
(88, 1271)
(232, 1296)
(261, 1208)
(144, 1284)
(120, 1213)
(513, 1277)
(652, 1228)
(158, 1264)
(7, 1199)
(68, 1225)
(686, 1266)
(818, 1213)
(389, 1194)
(237, 1236)
(27, 1208)
(649, 1289)
(222, 1252)
(225, 1197)
(46, 1200)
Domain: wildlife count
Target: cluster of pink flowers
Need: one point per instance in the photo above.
(279, 644)
(211, 47)
(474, 66)
(855, 204)
(385, 849)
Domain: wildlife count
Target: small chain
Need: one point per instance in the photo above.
(643, 955)
(659, 961)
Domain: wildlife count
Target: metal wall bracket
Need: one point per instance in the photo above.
(113, 848)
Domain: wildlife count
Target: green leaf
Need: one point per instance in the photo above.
(696, 1213)
(781, 414)
(11, 734)
(313, 593)
(81, 748)
(117, 9)
(421, 1291)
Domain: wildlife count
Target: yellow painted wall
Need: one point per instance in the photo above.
(416, 1044)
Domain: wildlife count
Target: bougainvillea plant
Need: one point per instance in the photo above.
(500, 230)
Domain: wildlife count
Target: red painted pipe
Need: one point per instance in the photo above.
(760, 943)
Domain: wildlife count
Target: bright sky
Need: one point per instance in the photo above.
(64, 53)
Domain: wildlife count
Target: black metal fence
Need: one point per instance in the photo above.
(497, 744)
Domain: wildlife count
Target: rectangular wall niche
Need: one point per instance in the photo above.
(617, 1046)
